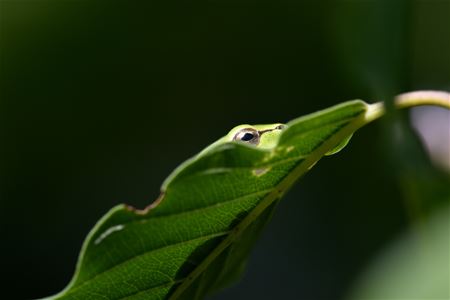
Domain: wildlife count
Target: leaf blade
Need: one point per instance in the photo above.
(206, 205)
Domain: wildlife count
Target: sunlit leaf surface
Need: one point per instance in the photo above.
(196, 237)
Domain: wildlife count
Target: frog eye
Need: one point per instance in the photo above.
(280, 127)
(248, 135)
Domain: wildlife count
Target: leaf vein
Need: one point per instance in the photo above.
(205, 237)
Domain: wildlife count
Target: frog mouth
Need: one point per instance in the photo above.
(279, 127)
(261, 132)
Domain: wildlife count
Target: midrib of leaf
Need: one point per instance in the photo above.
(168, 284)
(373, 112)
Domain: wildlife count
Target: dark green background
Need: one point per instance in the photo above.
(99, 101)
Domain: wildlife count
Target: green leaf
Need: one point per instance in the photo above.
(415, 266)
(196, 237)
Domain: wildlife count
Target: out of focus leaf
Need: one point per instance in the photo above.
(416, 267)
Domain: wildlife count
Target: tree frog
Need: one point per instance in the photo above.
(261, 136)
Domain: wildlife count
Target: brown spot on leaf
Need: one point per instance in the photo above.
(260, 171)
(148, 208)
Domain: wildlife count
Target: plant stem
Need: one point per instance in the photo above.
(408, 100)
(438, 98)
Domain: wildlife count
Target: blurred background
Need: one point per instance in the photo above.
(100, 101)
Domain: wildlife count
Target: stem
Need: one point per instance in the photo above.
(408, 100)
(438, 98)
